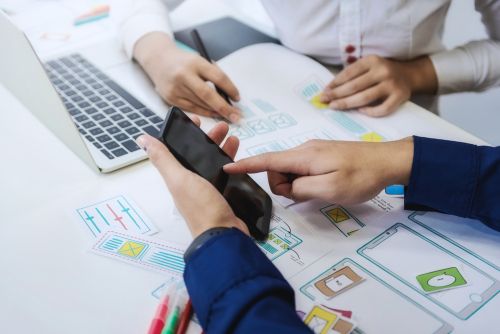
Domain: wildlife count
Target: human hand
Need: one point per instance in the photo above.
(378, 86)
(181, 78)
(188, 188)
(335, 171)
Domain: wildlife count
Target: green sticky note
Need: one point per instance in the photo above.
(442, 279)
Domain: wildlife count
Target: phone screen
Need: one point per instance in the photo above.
(198, 153)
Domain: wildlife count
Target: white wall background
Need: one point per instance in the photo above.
(478, 113)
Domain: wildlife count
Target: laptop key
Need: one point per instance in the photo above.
(88, 125)
(98, 117)
(146, 112)
(90, 138)
(104, 138)
(118, 103)
(107, 154)
(74, 112)
(84, 105)
(111, 98)
(126, 110)
(132, 131)
(102, 105)
(105, 123)
(76, 99)
(91, 111)
(131, 146)
(124, 124)
(111, 145)
(109, 111)
(113, 130)
(104, 92)
(95, 99)
(121, 137)
(151, 130)
(96, 131)
(97, 145)
(156, 120)
(82, 131)
(116, 117)
(133, 116)
(141, 122)
(81, 118)
(119, 152)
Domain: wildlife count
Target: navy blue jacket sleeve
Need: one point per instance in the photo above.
(234, 288)
(455, 178)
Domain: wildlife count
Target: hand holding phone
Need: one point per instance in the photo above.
(199, 154)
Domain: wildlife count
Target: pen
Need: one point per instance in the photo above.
(158, 321)
(203, 52)
(175, 312)
(185, 318)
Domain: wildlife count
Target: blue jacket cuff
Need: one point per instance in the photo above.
(443, 176)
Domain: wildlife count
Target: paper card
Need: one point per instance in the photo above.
(342, 219)
(147, 253)
(344, 313)
(440, 280)
(320, 320)
(338, 282)
(117, 213)
(342, 326)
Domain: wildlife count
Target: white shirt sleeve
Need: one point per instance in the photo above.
(474, 66)
(144, 16)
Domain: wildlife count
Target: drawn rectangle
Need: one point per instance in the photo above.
(407, 264)
(342, 219)
(260, 126)
(372, 300)
(278, 243)
(241, 131)
(264, 105)
(282, 120)
(117, 213)
(140, 251)
(274, 146)
(310, 135)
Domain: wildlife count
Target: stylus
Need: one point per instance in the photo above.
(203, 52)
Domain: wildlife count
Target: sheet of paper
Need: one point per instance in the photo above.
(147, 253)
(117, 213)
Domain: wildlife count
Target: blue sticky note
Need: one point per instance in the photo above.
(395, 190)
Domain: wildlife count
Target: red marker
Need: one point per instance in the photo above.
(158, 321)
(185, 318)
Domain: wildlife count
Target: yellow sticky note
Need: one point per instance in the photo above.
(372, 137)
(338, 215)
(131, 249)
(316, 102)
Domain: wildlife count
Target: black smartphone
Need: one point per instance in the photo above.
(198, 153)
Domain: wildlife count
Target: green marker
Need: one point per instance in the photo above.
(172, 321)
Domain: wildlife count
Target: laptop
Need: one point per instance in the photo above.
(84, 107)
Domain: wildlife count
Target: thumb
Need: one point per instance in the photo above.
(162, 158)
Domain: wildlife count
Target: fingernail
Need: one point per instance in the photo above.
(142, 142)
(323, 97)
(234, 117)
(229, 165)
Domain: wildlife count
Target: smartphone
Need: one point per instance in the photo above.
(198, 153)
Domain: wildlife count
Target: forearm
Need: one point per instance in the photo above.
(455, 178)
(421, 75)
(235, 288)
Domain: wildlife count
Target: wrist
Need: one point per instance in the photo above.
(420, 75)
(153, 48)
(399, 165)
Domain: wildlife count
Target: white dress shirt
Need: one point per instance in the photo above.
(340, 31)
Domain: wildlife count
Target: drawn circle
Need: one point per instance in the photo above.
(476, 298)
(442, 280)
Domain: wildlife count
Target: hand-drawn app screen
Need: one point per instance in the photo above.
(348, 286)
(432, 270)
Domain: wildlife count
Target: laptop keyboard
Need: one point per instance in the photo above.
(105, 113)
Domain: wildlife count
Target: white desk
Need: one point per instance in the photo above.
(49, 282)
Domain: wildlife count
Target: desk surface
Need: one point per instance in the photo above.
(50, 283)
